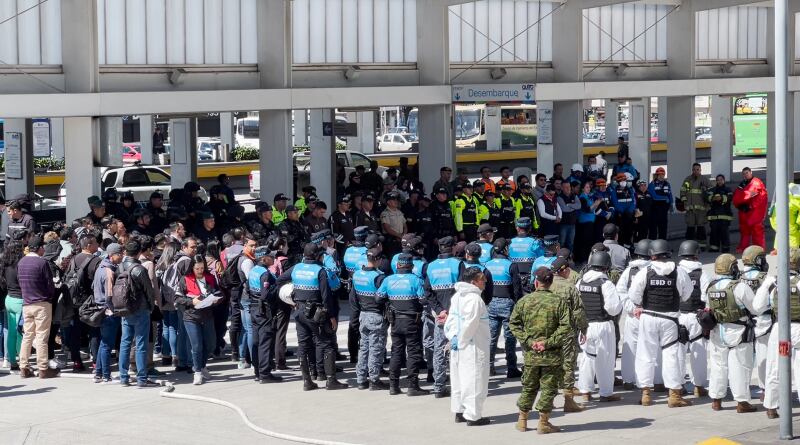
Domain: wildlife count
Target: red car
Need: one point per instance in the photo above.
(131, 153)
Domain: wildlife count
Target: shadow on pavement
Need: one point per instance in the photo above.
(25, 393)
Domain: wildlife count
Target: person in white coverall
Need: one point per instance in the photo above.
(731, 302)
(754, 274)
(467, 329)
(768, 298)
(696, 346)
(659, 289)
(640, 260)
(601, 303)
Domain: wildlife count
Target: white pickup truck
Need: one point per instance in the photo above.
(302, 160)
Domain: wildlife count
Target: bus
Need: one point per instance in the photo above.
(517, 124)
(750, 125)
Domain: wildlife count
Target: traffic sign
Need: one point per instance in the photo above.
(340, 129)
(494, 93)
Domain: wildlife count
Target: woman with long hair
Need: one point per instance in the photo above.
(584, 229)
(198, 285)
(169, 343)
(9, 286)
(215, 267)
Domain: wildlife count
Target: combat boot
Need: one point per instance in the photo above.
(522, 421)
(330, 369)
(745, 407)
(647, 399)
(414, 389)
(716, 404)
(378, 385)
(699, 391)
(545, 427)
(570, 406)
(676, 400)
(394, 387)
(513, 373)
(772, 413)
(308, 382)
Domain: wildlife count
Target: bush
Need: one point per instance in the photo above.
(245, 153)
(49, 164)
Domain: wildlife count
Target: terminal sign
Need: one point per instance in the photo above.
(493, 93)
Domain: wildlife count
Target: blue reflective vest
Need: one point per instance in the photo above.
(365, 289)
(329, 262)
(305, 278)
(443, 273)
(544, 261)
(254, 280)
(524, 250)
(501, 271)
(404, 291)
(486, 252)
(354, 258)
(419, 264)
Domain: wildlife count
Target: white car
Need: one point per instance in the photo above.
(142, 181)
(398, 142)
(593, 137)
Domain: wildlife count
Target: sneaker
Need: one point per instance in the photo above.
(78, 367)
(14, 367)
(98, 379)
(107, 381)
(243, 365)
(198, 378)
(125, 382)
(157, 356)
(206, 373)
(154, 372)
(6, 364)
(148, 384)
(56, 364)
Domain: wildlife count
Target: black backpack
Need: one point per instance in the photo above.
(123, 297)
(230, 278)
(76, 281)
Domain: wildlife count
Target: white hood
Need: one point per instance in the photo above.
(663, 268)
(467, 289)
(690, 266)
(639, 263)
(592, 275)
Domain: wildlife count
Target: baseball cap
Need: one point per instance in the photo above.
(600, 181)
(441, 190)
(373, 240)
(361, 232)
(544, 275)
(263, 207)
(368, 197)
(322, 235)
(261, 252)
(191, 186)
(660, 170)
(526, 185)
(343, 199)
(447, 241)
(486, 227)
(291, 208)
(280, 197)
(112, 249)
(156, 195)
(577, 167)
(524, 222)
(206, 215)
(405, 261)
(392, 195)
(550, 240)
(478, 183)
(559, 264)
(474, 250)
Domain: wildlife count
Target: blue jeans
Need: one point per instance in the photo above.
(135, 328)
(182, 340)
(169, 335)
(108, 337)
(247, 332)
(441, 349)
(499, 313)
(566, 236)
(202, 337)
(372, 350)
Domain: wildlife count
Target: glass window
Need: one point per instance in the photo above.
(341, 158)
(359, 159)
(135, 178)
(387, 138)
(250, 129)
(110, 180)
(157, 177)
(399, 140)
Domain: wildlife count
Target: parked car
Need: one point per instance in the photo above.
(139, 180)
(302, 161)
(399, 142)
(702, 133)
(594, 137)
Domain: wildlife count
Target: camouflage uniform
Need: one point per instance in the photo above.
(541, 316)
(564, 288)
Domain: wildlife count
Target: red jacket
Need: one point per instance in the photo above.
(751, 200)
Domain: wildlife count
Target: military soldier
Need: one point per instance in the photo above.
(755, 275)
(696, 344)
(404, 292)
(565, 288)
(693, 199)
(507, 291)
(601, 303)
(731, 302)
(541, 322)
(363, 299)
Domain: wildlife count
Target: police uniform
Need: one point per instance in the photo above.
(465, 216)
(442, 219)
(260, 282)
(363, 299)
(507, 290)
(405, 293)
(523, 251)
(354, 258)
(508, 214)
(442, 275)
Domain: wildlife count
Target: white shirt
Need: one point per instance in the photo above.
(544, 214)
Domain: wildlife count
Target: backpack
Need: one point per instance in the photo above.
(230, 278)
(123, 297)
(169, 281)
(76, 281)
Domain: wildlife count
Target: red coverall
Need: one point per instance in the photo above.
(751, 200)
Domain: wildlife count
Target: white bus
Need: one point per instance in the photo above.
(517, 124)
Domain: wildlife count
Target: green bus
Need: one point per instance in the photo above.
(750, 125)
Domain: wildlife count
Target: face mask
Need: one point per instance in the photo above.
(623, 184)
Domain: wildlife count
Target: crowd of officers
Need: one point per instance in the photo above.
(397, 257)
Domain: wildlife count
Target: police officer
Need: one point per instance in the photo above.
(507, 287)
(442, 275)
(97, 210)
(472, 259)
(405, 292)
(294, 232)
(442, 215)
(755, 275)
(551, 248)
(485, 237)
(524, 250)
(639, 261)
(262, 226)
(302, 202)
(465, 213)
(355, 256)
(341, 224)
(279, 205)
(623, 198)
(659, 289)
(111, 202)
(333, 266)
(601, 303)
(526, 204)
(731, 302)
(316, 315)
(508, 211)
(364, 301)
(263, 304)
(564, 287)
(696, 344)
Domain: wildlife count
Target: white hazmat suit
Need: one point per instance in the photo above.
(697, 345)
(599, 350)
(630, 333)
(467, 329)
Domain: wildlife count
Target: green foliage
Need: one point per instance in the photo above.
(245, 153)
(49, 164)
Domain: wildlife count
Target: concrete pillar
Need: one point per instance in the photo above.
(795, 139)
(18, 163)
(544, 143)
(300, 118)
(275, 162)
(494, 135)
(436, 142)
(567, 134)
(567, 67)
(721, 143)
(183, 151)
(662, 119)
(612, 122)
(639, 136)
(323, 157)
(81, 136)
(365, 141)
(111, 141)
(226, 131)
(57, 137)
(680, 134)
(79, 46)
(146, 138)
